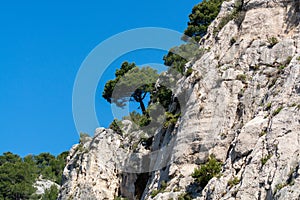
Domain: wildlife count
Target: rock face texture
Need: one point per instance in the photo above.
(42, 185)
(241, 104)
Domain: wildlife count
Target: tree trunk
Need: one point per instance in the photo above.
(142, 105)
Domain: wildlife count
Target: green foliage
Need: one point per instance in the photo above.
(171, 119)
(9, 157)
(205, 172)
(116, 126)
(272, 41)
(281, 67)
(184, 196)
(241, 77)
(279, 187)
(298, 58)
(127, 85)
(255, 68)
(268, 106)
(163, 95)
(140, 120)
(288, 60)
(83, 137)
(277, 111)
(177, 57)
(236, 14)
(188, 72)
(262, 133)
(201, 17)
(51, 193)
(233, 182)
(163, 186)
(265, 159)
(232, 41)
(18, 175)
(154, 193)
(120, 198)
(16, 180)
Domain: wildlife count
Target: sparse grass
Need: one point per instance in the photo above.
(265, 159)
(288, 60)
(236, 14)
(80, 148)
(281, 67)
(232, 41)
(273, 82)
(293, 105)
(277, 111)
(189, 72)
(268, 106)
(163, 186)
(184, 196)
(298, 58)
(255, 68)
(154, 193)
(241, 77)
(262, 133)
(279, 187)
(272, 41)
(233, 182)
(135, 146)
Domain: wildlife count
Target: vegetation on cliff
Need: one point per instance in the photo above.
(18, 175)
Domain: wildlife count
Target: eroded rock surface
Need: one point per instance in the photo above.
(241, 103)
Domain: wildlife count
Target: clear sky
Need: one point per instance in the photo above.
(42, 45)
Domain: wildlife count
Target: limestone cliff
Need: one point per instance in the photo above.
(241, 104)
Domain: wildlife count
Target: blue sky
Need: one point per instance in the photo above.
(42, 45)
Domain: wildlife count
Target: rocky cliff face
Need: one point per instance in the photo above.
(242, 105)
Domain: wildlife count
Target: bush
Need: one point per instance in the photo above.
(177, 57)
(171, 119)
(141, 120)
(163, 95)
(204, 173)
(201, 17)
(116, 126)
(51, 193)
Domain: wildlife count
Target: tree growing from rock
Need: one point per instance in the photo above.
(201, 17)
(131, 83)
